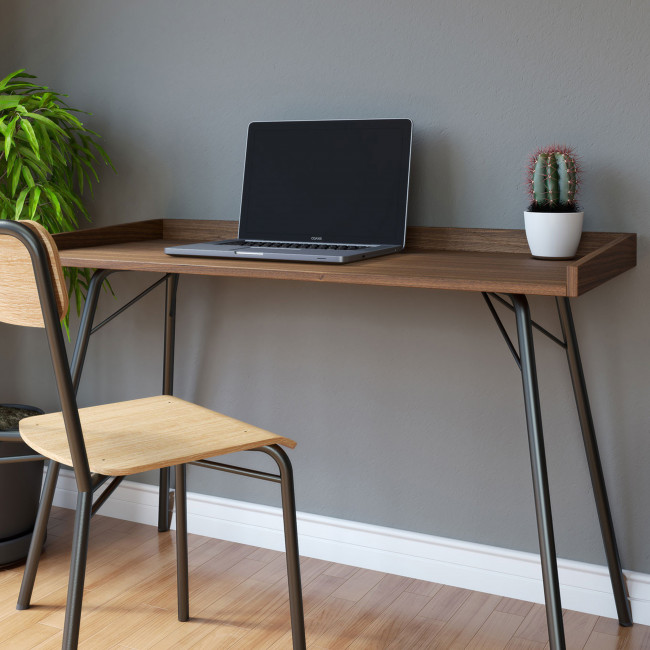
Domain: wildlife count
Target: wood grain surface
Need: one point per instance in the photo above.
(461, 259)
(19, 300)
(143, 434)
(239, 600)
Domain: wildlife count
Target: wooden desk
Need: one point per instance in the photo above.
(492, 262)
(462, 259)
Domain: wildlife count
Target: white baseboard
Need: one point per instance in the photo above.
(584, 587)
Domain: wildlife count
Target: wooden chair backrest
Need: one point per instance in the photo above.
(19, 301)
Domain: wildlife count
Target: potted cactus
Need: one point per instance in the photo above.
(553, 219)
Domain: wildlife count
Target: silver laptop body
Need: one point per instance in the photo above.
(320, 191)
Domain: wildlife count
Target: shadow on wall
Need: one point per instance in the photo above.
(610, 189)
(16, 40)
(143, 183)
(434, 173)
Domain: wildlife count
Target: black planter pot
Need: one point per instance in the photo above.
(20, 489)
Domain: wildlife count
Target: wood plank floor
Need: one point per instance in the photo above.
(238, 599)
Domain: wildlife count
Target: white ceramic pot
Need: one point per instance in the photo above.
(553, 235)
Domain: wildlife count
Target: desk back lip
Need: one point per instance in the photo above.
(469, 259)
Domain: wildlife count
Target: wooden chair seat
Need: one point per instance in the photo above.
(138, 435)
(143, 434)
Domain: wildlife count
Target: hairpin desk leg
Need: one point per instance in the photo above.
(166, 493)
(540, 477)
(593, 460)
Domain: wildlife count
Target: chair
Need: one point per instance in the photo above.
(115, 440)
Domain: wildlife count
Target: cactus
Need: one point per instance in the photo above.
(553, 180)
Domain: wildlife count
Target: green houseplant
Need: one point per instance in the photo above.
(553, 219)
(47, 159)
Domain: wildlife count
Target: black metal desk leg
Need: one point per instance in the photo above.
(86, 325)
(165, 493)
(540, 477)
(593, 460)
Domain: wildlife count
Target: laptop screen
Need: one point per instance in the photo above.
(341, 181)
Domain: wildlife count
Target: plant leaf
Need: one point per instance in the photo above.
(55, 200)
(46, 121)
(15, 176)
(9, 134)
(11, 158)
(45, 144)
(8, 101)
(28, 155)
(26, 126)
(34, 200)
(20, 202)
(27, 175)
(9, 77)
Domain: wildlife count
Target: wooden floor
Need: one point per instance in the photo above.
(238, 599)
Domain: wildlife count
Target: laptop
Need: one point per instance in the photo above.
(320, 191)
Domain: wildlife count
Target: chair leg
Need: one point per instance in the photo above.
(165, 499)
(77, 571)
(38, 536)
(182, 577)
(166, 494)
(291, 544)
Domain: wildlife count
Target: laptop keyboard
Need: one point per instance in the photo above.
(266, 244)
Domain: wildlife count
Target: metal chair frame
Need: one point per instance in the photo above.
(67, 380)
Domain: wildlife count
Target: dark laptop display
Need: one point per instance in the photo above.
(330, 191)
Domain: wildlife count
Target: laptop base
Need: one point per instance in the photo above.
(235, 249)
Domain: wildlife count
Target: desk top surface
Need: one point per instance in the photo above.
(462, 259)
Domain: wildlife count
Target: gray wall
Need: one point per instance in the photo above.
(405, 403)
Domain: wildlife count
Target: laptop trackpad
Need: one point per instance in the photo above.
(249, 251)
